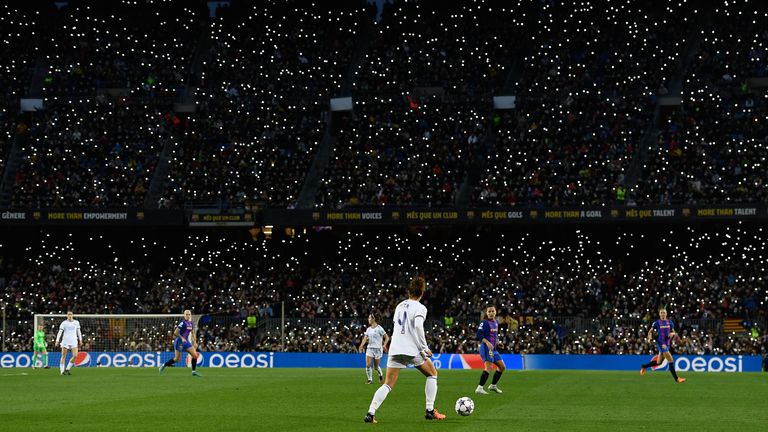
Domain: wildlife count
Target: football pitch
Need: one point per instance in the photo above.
(336, 400)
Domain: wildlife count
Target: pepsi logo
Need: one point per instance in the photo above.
(82, 359)
(199, 359)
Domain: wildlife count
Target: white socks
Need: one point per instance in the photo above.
(369, 373)
(61, 367)
(379, 371)
(69, 365)
(378, 398)
(430, 389)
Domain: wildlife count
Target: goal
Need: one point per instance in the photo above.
(112, 332)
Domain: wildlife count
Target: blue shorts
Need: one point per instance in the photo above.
(181, 346)
(662, 349)
(485, 354)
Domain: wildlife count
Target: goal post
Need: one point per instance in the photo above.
(117, 332)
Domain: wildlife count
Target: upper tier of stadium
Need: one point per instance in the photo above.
(172, 104)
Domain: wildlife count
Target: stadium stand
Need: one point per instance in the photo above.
(230, 110)
(713, 148)
(557, 291)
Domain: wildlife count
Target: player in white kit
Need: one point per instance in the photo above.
(69, 336)
(377, 339)
(409, 347)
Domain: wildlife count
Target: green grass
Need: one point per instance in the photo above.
(337, 399)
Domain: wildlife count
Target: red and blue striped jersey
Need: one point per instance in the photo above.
(185, 328)
(488, 329)
(663, 328)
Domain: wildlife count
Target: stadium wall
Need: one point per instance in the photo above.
(442, 361)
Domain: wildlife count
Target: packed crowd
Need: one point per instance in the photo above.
(536, 337)
(234, 159)
(714, 149)
(89, 148)
(420, 103)
(143, 46)
(584, 101)
(16, 57)
(278, 49)
(258, 123)
(401, 152)
(580, 287)
(101, 153)
(585, 96)
(456, 48)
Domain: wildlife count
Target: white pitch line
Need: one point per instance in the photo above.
(16, 374)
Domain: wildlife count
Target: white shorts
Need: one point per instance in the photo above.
(69, 346)
(373, 352)
(401, 361)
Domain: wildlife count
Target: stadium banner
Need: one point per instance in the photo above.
(376, 216)
(433, 216)
(221, 219)
(683, 363)
(119, 217)
(244, 360)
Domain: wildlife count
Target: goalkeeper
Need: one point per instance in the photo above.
(39, 347)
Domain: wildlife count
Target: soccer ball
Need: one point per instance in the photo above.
(464, 406)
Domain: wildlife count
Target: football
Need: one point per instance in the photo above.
(464, 406)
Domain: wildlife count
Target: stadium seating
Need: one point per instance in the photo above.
(550, 299)
(94, 156)
(258, 124)
(714, 149)
(16, 58)
(403, 152)
(236, 107)
(584, 100)
(141, 46)
(586, 86)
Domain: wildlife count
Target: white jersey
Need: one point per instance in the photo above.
(405, 339)
(375, 336)
(70, 332)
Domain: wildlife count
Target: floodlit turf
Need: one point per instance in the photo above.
(337, 399)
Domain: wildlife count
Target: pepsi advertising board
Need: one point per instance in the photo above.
(683, 363)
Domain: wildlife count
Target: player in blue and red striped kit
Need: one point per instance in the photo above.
(666, 332)
(488, 336)
(185, 341)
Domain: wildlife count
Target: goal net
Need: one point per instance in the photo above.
(124, 333)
